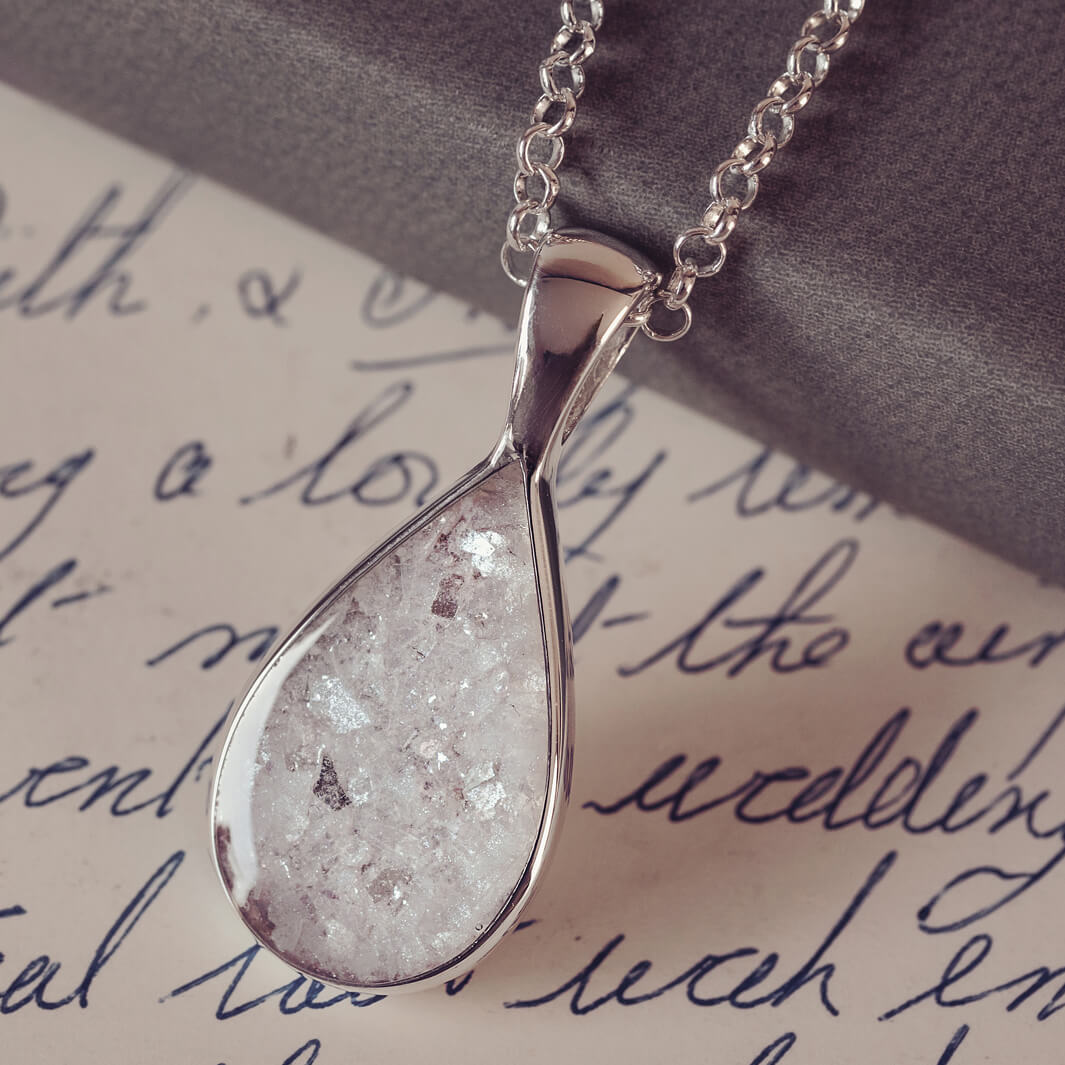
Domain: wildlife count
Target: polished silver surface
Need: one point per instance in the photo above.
(572, 332)
(576, 322)
(540, 148)
(733, 184)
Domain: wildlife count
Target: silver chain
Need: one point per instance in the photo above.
(700, 250)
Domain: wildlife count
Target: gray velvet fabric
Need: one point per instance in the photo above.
(891, 309)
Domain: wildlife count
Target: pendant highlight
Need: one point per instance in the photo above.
(392, 782)
(395, 758)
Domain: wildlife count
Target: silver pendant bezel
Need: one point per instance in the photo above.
(548, 397)
(557, 644)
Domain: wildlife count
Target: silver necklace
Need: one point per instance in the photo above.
(394, 778)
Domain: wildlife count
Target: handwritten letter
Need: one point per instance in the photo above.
(817, 813)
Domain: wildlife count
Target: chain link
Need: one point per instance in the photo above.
(698, 251)
(541, 149)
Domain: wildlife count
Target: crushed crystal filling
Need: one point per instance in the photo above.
(398, 773)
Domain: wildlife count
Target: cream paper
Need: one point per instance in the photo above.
(815, 815)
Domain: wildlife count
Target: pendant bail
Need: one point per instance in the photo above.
(575, 326)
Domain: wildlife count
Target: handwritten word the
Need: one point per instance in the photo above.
(773, 634)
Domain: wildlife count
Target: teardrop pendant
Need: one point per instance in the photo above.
(394, 778)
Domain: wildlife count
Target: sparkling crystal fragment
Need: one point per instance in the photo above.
(384, 787)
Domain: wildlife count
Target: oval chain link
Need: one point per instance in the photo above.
(540, 148)
(733, 183)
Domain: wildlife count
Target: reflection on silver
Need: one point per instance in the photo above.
(576, 323)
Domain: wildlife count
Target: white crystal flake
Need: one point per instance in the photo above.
(399, 761)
